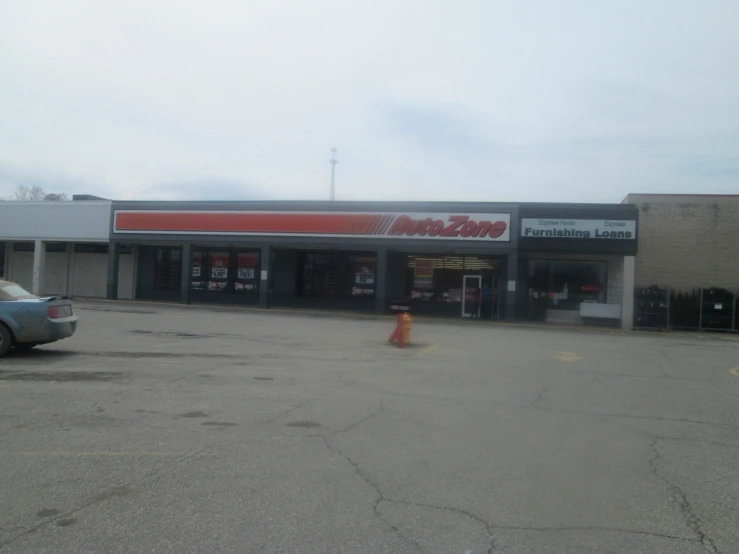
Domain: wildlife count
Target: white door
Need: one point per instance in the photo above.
(471, 285)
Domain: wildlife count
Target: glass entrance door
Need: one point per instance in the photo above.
(471, 285)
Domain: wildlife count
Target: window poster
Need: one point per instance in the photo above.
(423, 274)
(359, 291)
(217, 285)
(246, 271)
(247, 266)
(197, 271)
(218, 265)
(197, 264)
(365, 271)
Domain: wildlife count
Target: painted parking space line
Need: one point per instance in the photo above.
(734, 371)
(8, 374)
(567, 357)
(62, 453)
(428, 349)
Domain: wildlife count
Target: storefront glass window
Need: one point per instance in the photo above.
(56, 246)
(434, 285)
(247, 272)
(337, 275)
(565, 284)
(592, 280)
(217, 277)
(364, 275)
(90, 248)
(225, 271)
(440, 278)
(168, 268)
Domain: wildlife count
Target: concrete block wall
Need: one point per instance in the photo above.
(687, 242)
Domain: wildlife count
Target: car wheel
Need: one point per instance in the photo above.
(25, 347)
(6, 340)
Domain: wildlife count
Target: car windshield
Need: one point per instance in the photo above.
(14, 292)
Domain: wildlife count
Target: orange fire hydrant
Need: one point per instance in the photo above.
(402, 333)
(406, 329)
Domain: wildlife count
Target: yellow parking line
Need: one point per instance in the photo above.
(428, 349)
(734, 371)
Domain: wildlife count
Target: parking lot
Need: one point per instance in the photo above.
(174, 429)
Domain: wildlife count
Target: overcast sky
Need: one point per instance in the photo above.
(492, 100)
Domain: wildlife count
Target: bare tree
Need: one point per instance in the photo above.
(35, 193)
(29, 194)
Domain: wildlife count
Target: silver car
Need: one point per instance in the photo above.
(27, 320)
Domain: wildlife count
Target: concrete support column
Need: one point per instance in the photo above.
(4, 247)
(381, 281)
(9, 261)
(510, 281)
(71, 260)
(627, 300)
(39, 266)
(186, 275)
(135, 278)
(265, 278)
(113, 259)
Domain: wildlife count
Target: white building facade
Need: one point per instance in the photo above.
(61, 248)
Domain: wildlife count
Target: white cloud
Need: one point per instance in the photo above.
(481, 100)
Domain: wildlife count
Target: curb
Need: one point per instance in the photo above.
(418, 318)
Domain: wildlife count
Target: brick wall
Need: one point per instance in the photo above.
(688, 242)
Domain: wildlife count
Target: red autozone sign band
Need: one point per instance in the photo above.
(436, 226)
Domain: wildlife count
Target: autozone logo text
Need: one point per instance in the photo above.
(455, 226)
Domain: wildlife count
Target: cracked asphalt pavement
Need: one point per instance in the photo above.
(172, 429)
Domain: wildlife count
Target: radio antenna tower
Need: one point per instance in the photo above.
(333, 161)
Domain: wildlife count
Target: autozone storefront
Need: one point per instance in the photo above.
(445, 259)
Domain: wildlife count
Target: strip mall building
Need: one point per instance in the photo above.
(543, 262)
